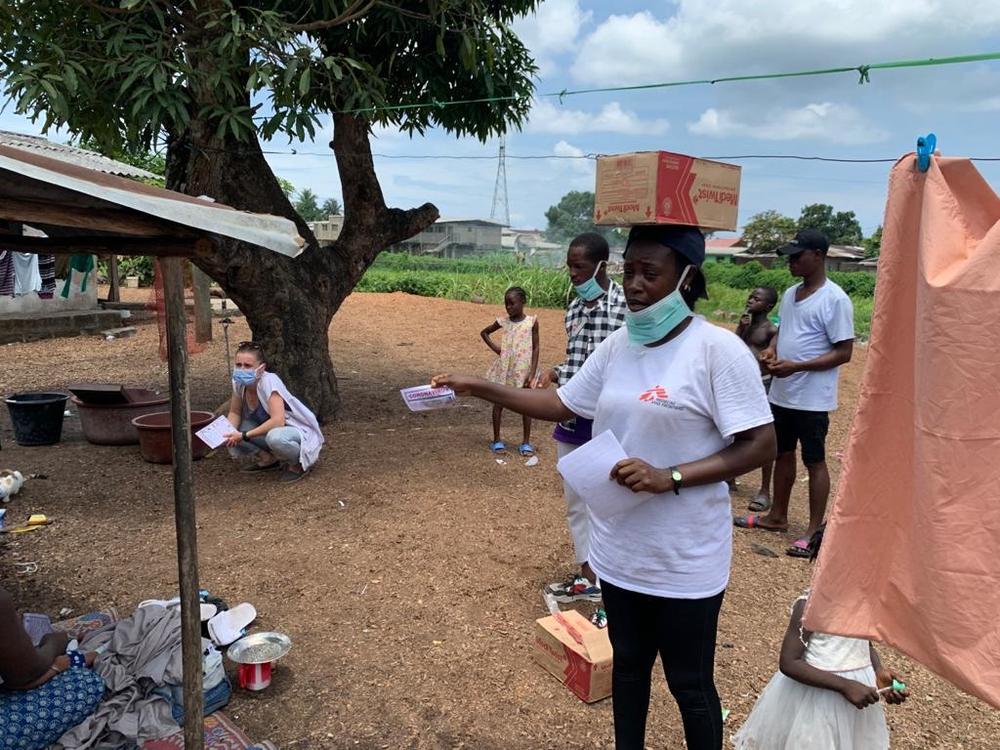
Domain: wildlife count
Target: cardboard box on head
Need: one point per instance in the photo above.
(658, 187)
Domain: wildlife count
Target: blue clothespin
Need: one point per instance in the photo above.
(925, 150)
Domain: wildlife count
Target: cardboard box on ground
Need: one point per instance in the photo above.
(576, 652)
(659, 187)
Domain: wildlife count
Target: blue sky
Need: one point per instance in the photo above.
(579, 44)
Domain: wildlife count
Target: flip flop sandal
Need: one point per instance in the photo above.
(258, 467)
(760, 504)
(498, 447)
(289, 476)
(526, 450)
(752, 521)
(231, 625)
(799, 548)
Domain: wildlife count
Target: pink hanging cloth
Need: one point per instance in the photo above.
(911, 556)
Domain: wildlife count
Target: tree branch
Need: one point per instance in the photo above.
(364, 204)
(401, 225)
(105, 9)
(352, 12)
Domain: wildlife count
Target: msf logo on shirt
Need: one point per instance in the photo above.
(658, 396)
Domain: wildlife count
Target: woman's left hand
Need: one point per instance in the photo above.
(639, 476)
(233, 439)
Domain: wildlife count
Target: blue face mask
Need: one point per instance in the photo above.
(590, 290)
(244, 377)
(653, 323)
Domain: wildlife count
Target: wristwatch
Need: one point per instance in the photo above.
(675, 474)
(244, 436)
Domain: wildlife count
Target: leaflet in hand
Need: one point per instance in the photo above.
(214, 433)
(426, 398)
(587, 470)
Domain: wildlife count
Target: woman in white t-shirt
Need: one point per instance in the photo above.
(685, 400)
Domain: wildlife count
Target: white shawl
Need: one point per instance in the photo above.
(297, 415)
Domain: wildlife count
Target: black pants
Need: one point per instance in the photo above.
(682, 632)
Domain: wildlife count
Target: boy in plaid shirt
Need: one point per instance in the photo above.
(596, 313)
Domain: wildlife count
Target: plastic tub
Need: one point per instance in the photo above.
(155, 442)
(111, 424)
(37, 417)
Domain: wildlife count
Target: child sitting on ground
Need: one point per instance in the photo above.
(517, 359)
(824, 680)
(757, 332)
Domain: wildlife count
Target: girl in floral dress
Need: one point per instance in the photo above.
(517, 359)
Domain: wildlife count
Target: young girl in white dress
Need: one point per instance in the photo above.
(827, 694)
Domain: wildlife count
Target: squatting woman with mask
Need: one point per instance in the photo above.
(685, 400)
(273, 429)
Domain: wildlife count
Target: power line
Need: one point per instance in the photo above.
(593, 156)
(863, 71)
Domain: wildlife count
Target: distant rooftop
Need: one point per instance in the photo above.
(460, 220)
(72, 155)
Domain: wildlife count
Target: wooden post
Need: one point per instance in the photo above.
(113, 295)
(184, 506)
(202, 305)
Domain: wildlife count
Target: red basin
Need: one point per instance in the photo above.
(155, 440)
(111, 424)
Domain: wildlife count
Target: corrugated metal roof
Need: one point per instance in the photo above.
(722, 243)
(72, 155)
(78, 188)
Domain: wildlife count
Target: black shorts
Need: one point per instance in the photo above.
(793, 426)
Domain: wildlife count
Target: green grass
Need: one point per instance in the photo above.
(486, 279)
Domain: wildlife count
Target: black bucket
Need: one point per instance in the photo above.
(37, 417)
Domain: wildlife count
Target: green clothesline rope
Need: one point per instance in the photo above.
(862, 70)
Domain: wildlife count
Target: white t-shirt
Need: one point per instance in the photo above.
(669, 405)
(809, 329)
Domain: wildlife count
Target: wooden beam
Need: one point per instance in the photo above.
(114, 294)
(73, 244)
(122, 221)
(202, 305)
(184, 505)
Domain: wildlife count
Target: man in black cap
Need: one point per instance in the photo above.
(815, 337)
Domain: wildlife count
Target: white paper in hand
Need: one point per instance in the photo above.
(214, 433)
(587, 470)
(425, 398)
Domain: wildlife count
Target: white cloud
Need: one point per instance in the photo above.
(990, 104)
(547, 117)
(729, 37)
(552, 30)
(835, 123)
(574, 157)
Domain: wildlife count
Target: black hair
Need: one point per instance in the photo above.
(519, 292)
(772, 293)
(595, 246)
(816, 541)
(697, 286)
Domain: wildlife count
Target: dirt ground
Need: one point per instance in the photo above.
(407, 569)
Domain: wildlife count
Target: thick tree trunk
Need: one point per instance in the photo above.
(289, 303)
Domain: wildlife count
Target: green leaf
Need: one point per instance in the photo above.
(304, 82)
(467, 53)
(439, 42)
